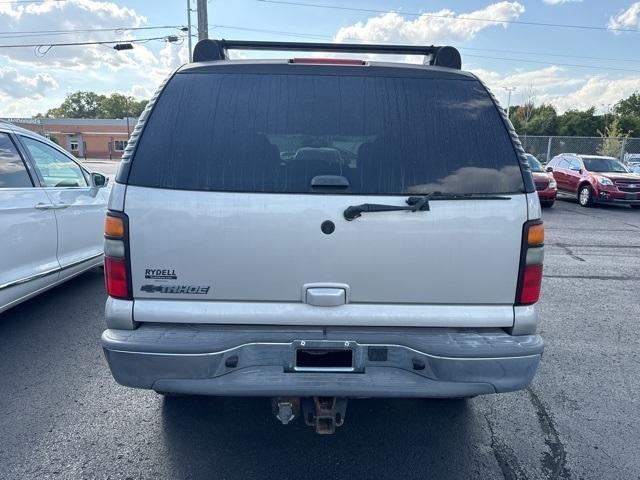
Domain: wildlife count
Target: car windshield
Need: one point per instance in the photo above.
(534, 164)
(635, 168)
(603, 165)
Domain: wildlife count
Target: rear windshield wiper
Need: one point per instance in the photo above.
(415, 203)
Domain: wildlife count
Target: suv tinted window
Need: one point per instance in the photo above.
(275, 133)
(13, 173)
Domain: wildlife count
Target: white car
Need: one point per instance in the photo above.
(51, 215)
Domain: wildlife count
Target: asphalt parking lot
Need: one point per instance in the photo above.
(63, 416)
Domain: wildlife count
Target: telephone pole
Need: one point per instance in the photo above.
(189, 30)
(509, 89)
(203, 23)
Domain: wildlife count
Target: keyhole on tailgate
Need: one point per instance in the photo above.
(327, 227)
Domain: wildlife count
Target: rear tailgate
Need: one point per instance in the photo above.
(236, 247)
(225, 207)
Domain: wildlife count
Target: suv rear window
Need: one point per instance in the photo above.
(276, 132)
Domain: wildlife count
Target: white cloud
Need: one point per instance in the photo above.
(438, 27)
(14, 85)
(76, 15)
(25, 89)
(560, 87)
(594, 92)
(629, 18)
(12, 107)
(560, 2)
(173, 55)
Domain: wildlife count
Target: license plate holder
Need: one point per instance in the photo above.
(324, 356)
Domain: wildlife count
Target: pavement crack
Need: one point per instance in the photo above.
(554, 461)
(506, 459)
(569, 252)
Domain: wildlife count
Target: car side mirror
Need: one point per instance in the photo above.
(98, 180)
(550, 169)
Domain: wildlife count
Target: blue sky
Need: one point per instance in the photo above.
(31, 83)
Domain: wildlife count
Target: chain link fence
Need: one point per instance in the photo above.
(544, 148)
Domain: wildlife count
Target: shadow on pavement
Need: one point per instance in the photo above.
(210, 437)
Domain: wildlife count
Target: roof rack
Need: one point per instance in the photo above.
(440, 56)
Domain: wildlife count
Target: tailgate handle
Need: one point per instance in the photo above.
(325, 296)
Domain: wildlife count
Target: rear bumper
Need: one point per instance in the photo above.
(260, 361)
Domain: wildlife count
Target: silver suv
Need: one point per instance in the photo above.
(314, 230)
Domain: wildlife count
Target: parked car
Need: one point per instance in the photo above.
(397, 253)
(595, 179)
(51, 215)
(545, 183)
(632, 159)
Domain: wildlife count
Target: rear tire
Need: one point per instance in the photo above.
(585, 196)
(547, 204)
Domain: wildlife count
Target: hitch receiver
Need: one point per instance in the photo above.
(324, 413)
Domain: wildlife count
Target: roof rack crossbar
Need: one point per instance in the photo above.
(442, 56)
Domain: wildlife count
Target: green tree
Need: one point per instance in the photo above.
(78, 105)
(612, 139)
(579, 123)
(93, 105)
(117, 105)
(629, 123)
(543, 121)
(531, 120)
(628, 106)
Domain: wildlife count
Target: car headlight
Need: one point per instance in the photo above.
(604, 181)
(553, 183)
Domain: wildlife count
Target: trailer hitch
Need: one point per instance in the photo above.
(324, 413)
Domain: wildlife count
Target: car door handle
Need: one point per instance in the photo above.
(44, 206)
(60, 206)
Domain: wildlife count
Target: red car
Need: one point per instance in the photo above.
(545, 183)
(595, 179)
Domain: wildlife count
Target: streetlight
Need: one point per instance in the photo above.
(509, 89)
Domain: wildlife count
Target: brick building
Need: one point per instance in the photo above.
(83, 137)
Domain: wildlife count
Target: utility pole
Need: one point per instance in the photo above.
(189, 30)
(203, 23)
(509, 89)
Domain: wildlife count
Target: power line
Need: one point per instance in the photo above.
(46, 33)
(70, 44)
(525, 52)
(449, 17)
(573, 65)
(521, 52)
(152, 27)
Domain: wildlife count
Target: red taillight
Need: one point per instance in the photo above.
(116, 268)
(115, 274)
(531, 283)
(328, 61)
(532, 255)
